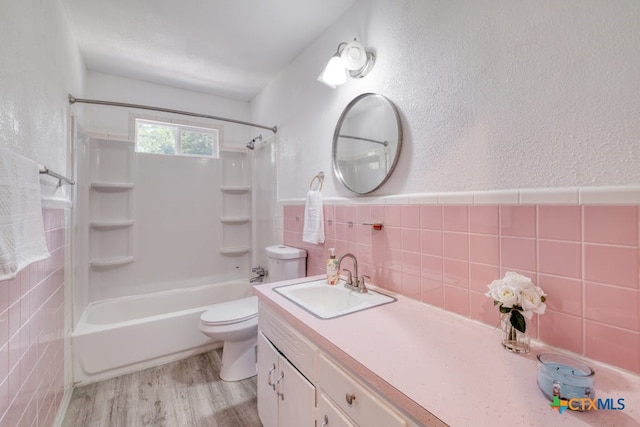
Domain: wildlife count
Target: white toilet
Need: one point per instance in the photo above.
(236, 322)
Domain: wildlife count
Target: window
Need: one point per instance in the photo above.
(175, 139)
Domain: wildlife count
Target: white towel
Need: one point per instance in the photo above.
(313, 231)
(22, 239)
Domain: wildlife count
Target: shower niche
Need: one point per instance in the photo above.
(236, 201)
(110, 203)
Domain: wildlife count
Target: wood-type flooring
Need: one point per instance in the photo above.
(186, 393)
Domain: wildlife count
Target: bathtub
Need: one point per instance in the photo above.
(123, 335)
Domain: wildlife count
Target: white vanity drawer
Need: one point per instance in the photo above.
(366, 409)
(300, 351)
(329, 415)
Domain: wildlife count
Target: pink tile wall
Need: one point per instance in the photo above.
(586, 258)
(32, 333)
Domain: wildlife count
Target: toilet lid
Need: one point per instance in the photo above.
(231, 312)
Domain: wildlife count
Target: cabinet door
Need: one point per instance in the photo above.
(267, 374)
(297, 397)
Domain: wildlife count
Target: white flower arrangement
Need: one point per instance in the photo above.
(518, 297)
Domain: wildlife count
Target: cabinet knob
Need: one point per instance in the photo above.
(350, 397)
(325, 423)
(278, 393)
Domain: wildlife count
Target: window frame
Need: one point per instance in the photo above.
(179, 126)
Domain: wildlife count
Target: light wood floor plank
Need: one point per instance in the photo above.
(187, 393)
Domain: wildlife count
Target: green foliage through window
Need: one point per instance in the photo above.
(197, 143)
(154, 138)
(167, 138)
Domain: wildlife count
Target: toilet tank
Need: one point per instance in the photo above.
(285, 262)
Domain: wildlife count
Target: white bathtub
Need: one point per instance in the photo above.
(127, 334)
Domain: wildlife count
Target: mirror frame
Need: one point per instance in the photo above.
(336, 170)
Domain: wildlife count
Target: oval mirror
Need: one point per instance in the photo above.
(367, 143)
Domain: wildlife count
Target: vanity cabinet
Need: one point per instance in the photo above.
(285, 397)
(299, 385)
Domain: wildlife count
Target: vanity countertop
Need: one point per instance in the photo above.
(432, 363)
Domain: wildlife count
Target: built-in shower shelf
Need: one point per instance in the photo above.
(235, 189)
(110, 262)
(232, 149)
(237, 251)
(111, 225)
(234, 219)
(111, 186)
(106, 139)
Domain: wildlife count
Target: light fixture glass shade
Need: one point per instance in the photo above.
(351, 58)
(354, 56)
(334, 73)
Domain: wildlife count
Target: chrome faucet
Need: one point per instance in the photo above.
(359, 285)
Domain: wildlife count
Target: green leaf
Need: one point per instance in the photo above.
(505, 309)
(496, 302)
(155, 138)
(517, 321)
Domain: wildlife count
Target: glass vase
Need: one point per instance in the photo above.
(512, 339)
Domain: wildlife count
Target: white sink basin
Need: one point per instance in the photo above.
(329, 301)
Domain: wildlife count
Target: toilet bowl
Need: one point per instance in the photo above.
(236, 322)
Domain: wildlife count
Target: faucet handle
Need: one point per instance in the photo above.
(350, 277)
(361, 283)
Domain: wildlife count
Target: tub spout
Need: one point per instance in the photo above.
(261, 273)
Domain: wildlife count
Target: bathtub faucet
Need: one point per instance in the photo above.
(260, 271)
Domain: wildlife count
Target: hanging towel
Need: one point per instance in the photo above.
(22, 239)
(313, 231)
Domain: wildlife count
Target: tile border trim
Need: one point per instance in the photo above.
(606, 195)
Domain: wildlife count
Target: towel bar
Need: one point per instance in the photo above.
(45, 170)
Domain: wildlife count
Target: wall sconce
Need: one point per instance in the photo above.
(349, 57)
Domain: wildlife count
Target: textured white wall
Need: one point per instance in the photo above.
(39, 65)
(492, 94)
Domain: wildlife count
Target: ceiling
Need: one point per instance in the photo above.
(230, 48)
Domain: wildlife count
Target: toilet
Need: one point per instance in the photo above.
(236, 322)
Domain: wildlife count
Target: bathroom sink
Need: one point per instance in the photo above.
(329, 301)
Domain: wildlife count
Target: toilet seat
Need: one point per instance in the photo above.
(231, 312)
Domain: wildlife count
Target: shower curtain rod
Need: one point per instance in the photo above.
(73, 100)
